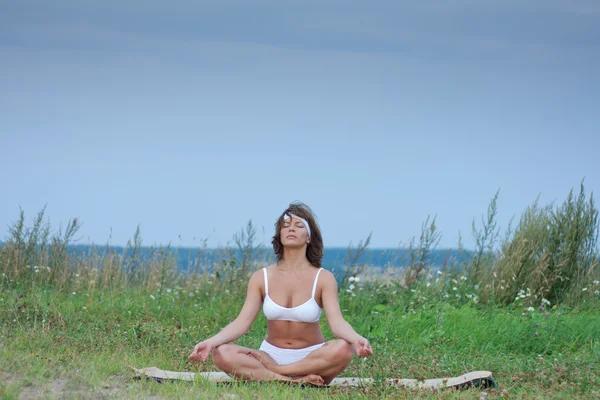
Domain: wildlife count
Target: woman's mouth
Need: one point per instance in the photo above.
(290, 237)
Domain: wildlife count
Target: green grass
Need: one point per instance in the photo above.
(57, 344)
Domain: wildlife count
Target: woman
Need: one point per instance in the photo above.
(294, 348)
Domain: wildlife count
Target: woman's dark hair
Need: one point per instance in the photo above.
(314, 250)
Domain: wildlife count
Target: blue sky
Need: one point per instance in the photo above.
(191, 118)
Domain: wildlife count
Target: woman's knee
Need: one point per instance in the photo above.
(343, 350)
(222, 354)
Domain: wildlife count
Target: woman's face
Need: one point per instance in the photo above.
(294, 233)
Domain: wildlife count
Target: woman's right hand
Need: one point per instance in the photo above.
(201, 351)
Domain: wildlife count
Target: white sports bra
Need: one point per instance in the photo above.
(306, 312)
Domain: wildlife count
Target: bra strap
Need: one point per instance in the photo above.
(315, 284)
(267, 283)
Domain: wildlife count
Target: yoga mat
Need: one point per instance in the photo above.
(481, 379)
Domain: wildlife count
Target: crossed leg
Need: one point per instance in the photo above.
(328, 361)
(319, 367)
(239, 362)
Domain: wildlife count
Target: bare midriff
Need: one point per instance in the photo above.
(294, 335)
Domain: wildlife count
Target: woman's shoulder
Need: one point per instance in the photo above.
(257, 276)
(327, 276)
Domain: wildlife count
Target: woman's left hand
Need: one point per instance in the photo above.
(363, 347)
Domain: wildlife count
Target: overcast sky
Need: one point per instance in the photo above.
(191, 118)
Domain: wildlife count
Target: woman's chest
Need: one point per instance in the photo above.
(290, 293)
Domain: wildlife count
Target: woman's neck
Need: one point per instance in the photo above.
(293, 260)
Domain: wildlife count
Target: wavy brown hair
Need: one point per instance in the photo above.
(314, 250)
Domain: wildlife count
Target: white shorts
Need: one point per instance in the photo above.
(287, 356)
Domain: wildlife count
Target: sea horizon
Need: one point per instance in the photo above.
(333, 257)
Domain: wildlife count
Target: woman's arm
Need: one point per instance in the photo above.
(239, 326)
(339, 327)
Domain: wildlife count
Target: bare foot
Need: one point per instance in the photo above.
(269, 363)
(311, 378)
(265, 359)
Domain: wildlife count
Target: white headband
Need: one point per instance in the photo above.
(305, 222)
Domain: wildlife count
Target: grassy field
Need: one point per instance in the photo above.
(526, 308)
(65, 344)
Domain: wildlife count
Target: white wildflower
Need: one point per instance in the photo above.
(74, 292)
(439, 272)
(454, 288)
(547, 302)
(351, 287)
(596, 292)
(191, 294)
(463, 278)
(454, 281)
(584, 289)
(413, 290)
(77, 275)
(351, 279)
(428, 284)
(476, 287)
(169, 290)
(152, 297)
(227, 291)
(530, 309)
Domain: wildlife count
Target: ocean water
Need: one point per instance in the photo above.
(333, 259)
